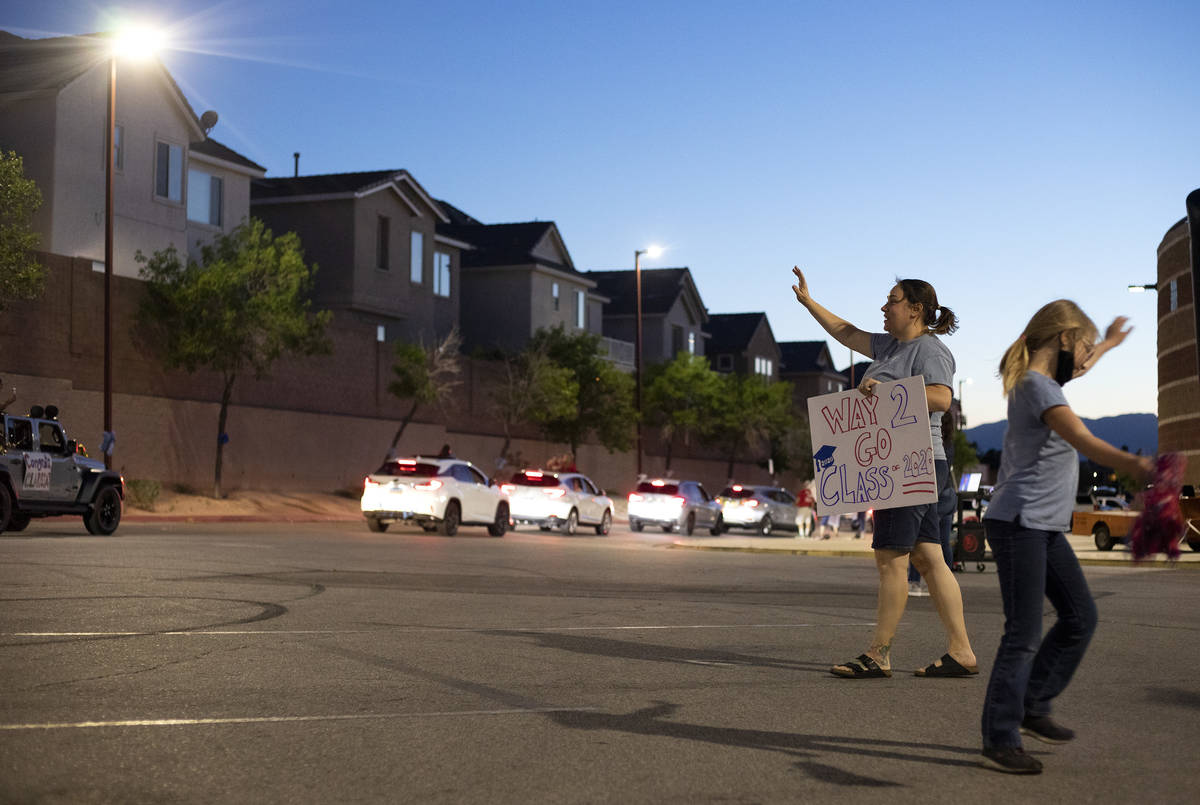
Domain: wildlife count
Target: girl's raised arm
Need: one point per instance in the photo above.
(842, 331)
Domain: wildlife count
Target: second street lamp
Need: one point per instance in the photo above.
(651, 252)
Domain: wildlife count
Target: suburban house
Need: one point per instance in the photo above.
(172, 185)
(673, 314)
(742, 343)
(373, 235)
(516, 279)
(808, 366)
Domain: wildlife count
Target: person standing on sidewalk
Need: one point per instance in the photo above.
(1026, 521)
(909, 346)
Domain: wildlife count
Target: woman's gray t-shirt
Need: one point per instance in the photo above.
(925, 356)
(1039, 470)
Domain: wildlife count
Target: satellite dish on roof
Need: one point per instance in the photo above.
(207, 121)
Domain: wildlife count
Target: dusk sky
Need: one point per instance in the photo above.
(1009, 153)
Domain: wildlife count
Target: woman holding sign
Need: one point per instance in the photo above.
(909, 346)
(1026, 520)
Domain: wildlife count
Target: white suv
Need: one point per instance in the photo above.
(438, 493)
(563, 500)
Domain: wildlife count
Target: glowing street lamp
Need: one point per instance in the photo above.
(140, 44)
(1150, 286)
(651, 252)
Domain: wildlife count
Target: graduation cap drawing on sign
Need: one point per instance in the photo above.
(824, 456)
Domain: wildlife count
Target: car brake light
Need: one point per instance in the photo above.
(634, 497)
(679, 501)
(411, 461)
(555, 493)
(658, 483)
(433, 483)
(737, 487)
(508, 489)
(533, 474)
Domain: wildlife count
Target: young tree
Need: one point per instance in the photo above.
(21, 275)
(425, 375)
(244, 305)
(603, 404)
(681, 398)
(752, 412)
(534, 389)
(964, 454)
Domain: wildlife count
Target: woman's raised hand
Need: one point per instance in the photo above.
(801, 286)
(1117, 331)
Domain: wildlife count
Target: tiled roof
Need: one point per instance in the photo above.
(660, 288)
(501, 244)
(218, 150)
(801, 356)
(731, 332)
(29, 65)
(319, 185)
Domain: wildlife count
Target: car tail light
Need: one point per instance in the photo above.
(634, 497)
(508, 489)
(433, 483)
(555, 493)
(679, 501)
(368, 483)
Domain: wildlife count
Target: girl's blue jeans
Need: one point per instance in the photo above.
(1029, 671)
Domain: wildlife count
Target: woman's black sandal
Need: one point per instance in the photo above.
(861, 667)
(949, 667)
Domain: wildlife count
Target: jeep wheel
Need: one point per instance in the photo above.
(605, 524)
(500, 524)
(449, 525)
(376, 525)
(18, 521)
(571, 524)
(5, 507)
(105, 515)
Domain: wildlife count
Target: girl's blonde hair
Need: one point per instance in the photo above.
(1059, 316)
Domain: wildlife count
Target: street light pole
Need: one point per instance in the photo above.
(637, 352)
(109, 136)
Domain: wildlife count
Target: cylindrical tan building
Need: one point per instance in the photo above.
(1178, 375)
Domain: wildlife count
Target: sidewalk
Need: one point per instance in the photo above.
(844, 544)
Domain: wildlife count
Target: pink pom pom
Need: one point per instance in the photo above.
(1160, 526)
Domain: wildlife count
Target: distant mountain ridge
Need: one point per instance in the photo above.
(1131, 431)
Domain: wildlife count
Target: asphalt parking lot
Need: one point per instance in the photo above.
(316, 662)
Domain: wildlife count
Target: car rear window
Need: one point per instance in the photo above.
(738, 492)
(646, 487)
(408, 468)
(534, 479)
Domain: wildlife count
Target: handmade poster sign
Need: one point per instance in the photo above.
(872, 452)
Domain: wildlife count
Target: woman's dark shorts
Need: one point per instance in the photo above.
(901, 529)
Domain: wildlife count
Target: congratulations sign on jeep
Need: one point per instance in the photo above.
(872, 452)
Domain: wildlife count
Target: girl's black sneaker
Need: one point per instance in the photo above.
(1046, 730)
(1010, 760)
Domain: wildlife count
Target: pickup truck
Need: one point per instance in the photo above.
(45, 474)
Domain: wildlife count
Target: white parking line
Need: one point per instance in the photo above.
(418, 629)
(204, 722)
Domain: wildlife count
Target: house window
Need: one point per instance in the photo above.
(119, 147)
(724, 363)
(554, 293)
(383, 229)
(204, 197)
(380, 333)
(676, 339)
(580, 309)
(168, 172)
(1174, 300)
(441, 273)
(691, 343)
(417, 260)
(763, 366)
